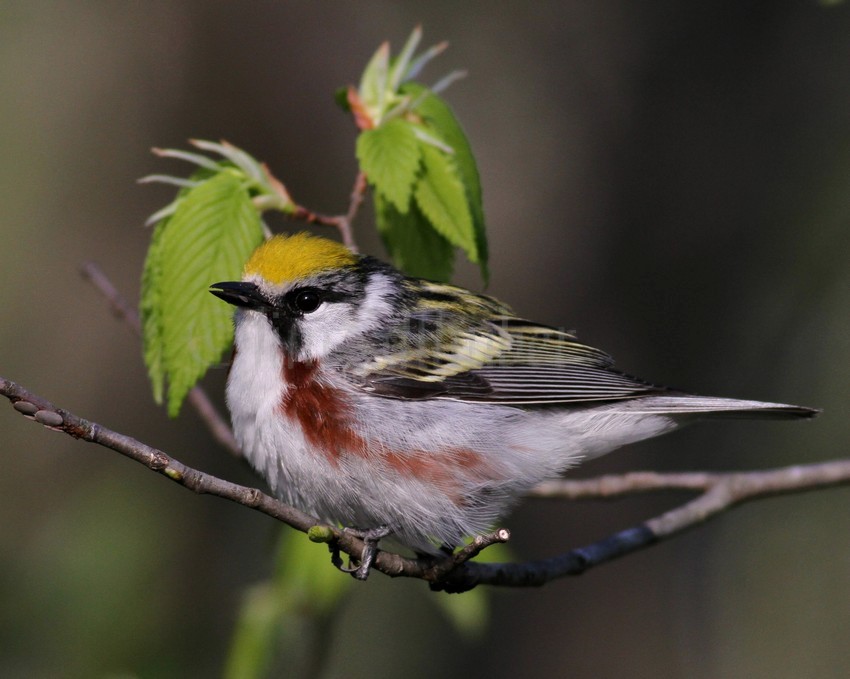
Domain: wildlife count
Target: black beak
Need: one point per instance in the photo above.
(240, 294)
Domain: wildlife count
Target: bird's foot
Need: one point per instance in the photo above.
(370, 538)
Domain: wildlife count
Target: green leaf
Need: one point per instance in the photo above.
(280, 617)
(257, 633)
(413, 244)
(378, 94)
(151, 300)
(208, 239)
(267, 192)
(401, 63)
(150, 311)
(441, 196)
(389, 155)
(468, 612)
(305, 573)
(373, 83)
(441, 121)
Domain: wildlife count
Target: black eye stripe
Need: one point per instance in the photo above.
(306, 299)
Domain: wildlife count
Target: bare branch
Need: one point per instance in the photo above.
(199, 399)
(611, 486)
(455, 573)
(221, 431)
(119, 306)
(358, 193)
(36, 408)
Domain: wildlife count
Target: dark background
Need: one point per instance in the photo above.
(669, 178)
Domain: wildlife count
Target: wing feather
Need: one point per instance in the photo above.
(471, 348)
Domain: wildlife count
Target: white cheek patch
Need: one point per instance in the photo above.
(324, 329)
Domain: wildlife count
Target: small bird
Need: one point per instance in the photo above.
(422, 411)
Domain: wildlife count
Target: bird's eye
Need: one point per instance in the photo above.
(307, 301)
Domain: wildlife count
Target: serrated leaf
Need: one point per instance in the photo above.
(373, 83)
(188, 156)
(441, 196)
(401, 63)
(441, 121)
(413, 244)
(208, 239)
(446, 81)
(236, 156)
(423, 59)
(150, 308)
(389, 155)
(430, 140)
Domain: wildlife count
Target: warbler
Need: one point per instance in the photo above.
(415, 409)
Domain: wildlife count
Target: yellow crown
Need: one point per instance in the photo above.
(282, 258)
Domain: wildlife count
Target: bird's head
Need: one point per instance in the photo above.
(313, 292)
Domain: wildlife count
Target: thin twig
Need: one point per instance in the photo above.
(611, 486)
(217, 425)
(197, 397)
(42, 411)
(479, 544)
(119, 306)
(358, 193)
(721, 491)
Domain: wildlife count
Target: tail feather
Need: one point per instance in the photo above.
(690, 404)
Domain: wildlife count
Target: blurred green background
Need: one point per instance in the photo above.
(669, 178)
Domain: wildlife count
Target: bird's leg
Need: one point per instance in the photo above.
(370, 539)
